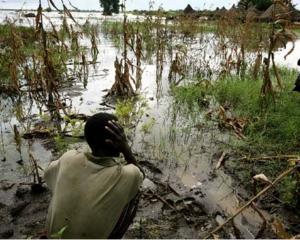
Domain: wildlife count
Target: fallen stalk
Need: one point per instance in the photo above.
(163, 201)
(281, 157)
(249, 203)
(264, 223)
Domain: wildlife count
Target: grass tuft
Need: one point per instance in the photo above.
(273, 129)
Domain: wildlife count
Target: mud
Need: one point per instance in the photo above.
(163, 213)
(23, 213)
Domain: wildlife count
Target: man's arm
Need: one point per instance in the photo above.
(50, 174)
(126, 218)
(121, 142)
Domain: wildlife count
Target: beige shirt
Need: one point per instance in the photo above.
(88, 194)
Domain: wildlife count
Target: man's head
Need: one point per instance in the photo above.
(96, 134)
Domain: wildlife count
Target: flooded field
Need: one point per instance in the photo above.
(179, 149)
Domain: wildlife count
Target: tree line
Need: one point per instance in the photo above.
(110, 6)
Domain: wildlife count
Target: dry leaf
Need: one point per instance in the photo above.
(262, 177)
(296, 237)
(215, 236)
(279, 229)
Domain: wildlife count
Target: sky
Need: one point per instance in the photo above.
(130, 4)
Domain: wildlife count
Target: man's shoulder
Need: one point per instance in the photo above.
(55, 164)
(132, 171)
(131, 180)
(70, 153)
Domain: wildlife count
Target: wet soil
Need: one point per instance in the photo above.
(23, 213)
(163, 212)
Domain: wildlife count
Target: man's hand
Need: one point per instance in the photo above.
(119, 140)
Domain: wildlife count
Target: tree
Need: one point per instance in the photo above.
(262, 4)
(115, 6)
(110, 6)
(259, 4)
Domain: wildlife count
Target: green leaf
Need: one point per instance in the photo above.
(59, 234)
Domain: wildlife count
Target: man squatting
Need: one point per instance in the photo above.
(93, 196)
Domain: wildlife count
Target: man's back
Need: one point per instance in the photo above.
(89, 194)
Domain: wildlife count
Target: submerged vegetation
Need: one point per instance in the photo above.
(272, 130)
(251, 99)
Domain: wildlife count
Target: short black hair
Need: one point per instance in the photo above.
(96, 134)
(298, 62)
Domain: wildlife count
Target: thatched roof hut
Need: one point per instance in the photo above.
(274, 11)
(253, 14)
(295, 14)
(220, 10)
(235, 12)
(189, 10)
(218, 13)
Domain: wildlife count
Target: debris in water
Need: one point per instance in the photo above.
(37, 188)
(7, 234)
(221, 160)
(5, 185)
(262, 177)
(21, 191)
(20, 162)
(279, 229)
(15, 211)
(148, 184)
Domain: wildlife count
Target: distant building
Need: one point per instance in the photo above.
(189, 10)
(236, 12)
(253, 14)
(274, 11)
(220, 12)
(295, 14)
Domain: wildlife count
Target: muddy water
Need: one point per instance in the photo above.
(179, 143)
(189, 155)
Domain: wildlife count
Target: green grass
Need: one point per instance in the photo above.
(148, 27)
(189, 95)
(296, 31)
(274, 129)
(19, 44)
(129, 111)
(112, 27)
(25, 39)
(27, 33)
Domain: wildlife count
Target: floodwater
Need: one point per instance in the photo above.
(185, 153)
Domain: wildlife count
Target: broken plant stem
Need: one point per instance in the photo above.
(264, 223)
(163, 201)
(2, 142)
(249, 203)
(280, 157)
(221, 160)
(34, 166)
